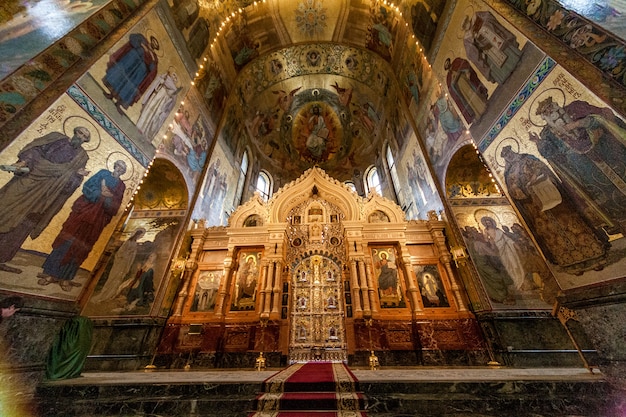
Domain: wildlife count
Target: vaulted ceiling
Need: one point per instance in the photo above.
(313, 82)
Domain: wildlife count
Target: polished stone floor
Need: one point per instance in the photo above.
(390, 392)
(403, 374)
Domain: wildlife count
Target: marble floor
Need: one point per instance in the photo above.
(404, 374)
(390, 392)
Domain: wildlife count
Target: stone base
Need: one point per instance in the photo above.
(398, 392)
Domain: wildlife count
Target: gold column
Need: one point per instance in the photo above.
(367, 310)
(455, 286)
(446, 258)
(190, 267)
(190, 264)
(278, 278)
(225, 285)
(413, 289)
(264, 289)
(356, 289)
(370, 285)
(268, 288)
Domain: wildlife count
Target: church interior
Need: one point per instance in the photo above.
(201, 195)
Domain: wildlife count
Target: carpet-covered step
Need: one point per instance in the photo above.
(312, 377)
(320, 388)
(311, 401)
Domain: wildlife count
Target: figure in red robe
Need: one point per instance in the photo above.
(48, 171)
(91, 213)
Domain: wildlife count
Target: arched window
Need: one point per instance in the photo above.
(372, 180)
(264, 185)
(351, 185)
(243, 172)
(391, 165)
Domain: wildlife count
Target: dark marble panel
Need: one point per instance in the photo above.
(386, 358)
(599, 314)
(123, 344)
(160, 399)
(450, 334)
(168, 340)
(216, 360)
(489, 399)
(211, 336)
(454, 357)
(28, 334)
(26, 338)
(534, 339)
(125, 339)
(268, 338)
(384, 399)
(537, 359)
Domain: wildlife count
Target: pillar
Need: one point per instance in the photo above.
(367, 310)
(356, 289)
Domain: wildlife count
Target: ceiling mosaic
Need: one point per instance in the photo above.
(313, 104)
(309, 82)
(469, 178)
(163, 189)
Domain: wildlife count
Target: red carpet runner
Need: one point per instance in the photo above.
(314, 389)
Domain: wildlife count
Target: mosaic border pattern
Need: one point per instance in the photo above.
(94, 111)
(606, 52)
(25, 84)
(157, 213)
(294, 61)
(540, 74)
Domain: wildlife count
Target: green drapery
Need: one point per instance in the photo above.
(69, 350)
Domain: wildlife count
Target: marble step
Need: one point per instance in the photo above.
(125, 396)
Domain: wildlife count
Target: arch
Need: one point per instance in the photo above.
(253, 220)
(468, 177)
(163, 187)
(379, 209)
(326, 187)
(253, 208)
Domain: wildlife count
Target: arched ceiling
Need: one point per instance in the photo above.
(327, 110)
(163, 189)
(314, 82)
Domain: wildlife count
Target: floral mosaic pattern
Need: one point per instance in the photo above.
(40, 73)
(602, 49)
(89, 106)
(544, 69)
(311, 17)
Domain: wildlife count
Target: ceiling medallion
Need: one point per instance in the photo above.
(311, 17)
